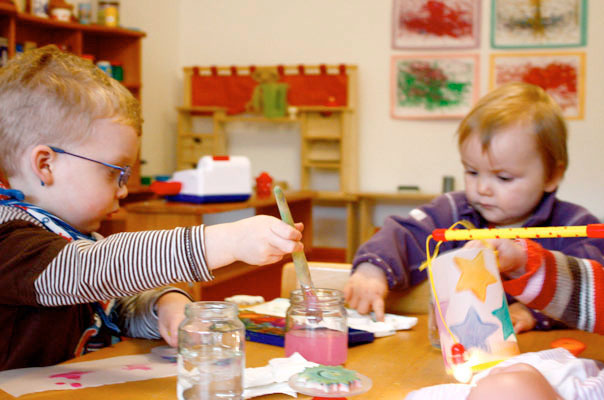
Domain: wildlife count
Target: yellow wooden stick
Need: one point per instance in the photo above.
(592, 231)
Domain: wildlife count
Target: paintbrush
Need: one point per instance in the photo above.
(302, 271)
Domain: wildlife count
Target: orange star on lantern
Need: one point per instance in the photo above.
(474, 276)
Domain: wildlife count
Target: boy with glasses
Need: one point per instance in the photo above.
(68, 136)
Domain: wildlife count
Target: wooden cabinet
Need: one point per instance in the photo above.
(328, 133)
(116, 45)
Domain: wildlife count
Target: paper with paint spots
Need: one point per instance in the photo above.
(108, 371)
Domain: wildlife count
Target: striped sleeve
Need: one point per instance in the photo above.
(122, 265)
(137, 315)
(565, 288)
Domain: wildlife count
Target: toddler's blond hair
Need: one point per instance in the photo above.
(51, 97)
(519, 103)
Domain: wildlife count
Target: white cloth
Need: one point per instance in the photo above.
(573, 378)
(273, 377)
(392, 323)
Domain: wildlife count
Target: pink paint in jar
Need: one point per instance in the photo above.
(322, 340)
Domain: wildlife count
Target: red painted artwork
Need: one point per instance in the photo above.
(435, 24)
(561, 75)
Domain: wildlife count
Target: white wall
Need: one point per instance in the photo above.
(391, 152)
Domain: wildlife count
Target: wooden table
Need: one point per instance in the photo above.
(397, 365)
(236, 278)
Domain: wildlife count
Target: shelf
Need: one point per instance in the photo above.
(7, 9)
(328, 139)
(322, 164)
(257, 119)
(197, 135)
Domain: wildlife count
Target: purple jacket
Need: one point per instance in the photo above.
(399, 247)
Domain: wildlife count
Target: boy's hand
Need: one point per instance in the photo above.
(170, 313)
(258, 240)
(511, 255)
(522, 319)
(366, 289)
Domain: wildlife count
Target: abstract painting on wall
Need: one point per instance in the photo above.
(538, 23)
(561, 75)
(423, 24)
(433, 86)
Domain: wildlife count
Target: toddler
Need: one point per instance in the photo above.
(68, 138)
(545, 375)
(513, 149)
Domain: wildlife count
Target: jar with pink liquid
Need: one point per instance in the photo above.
(317, 329)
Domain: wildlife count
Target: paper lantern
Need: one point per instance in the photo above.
(473, 311)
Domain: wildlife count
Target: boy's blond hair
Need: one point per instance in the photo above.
(519, 103)
(51, 97)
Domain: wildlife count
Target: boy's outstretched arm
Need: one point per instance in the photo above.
(257, 240)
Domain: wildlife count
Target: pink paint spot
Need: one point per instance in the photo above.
(76, 384)
(136, 366)
(70, 375)
(60, 383)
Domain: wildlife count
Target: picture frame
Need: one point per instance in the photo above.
(435, 24)
(519, 24)
(433, 85)
(560, 74)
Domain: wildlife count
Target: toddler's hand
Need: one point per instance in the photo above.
(366, 289)
(522, 319)
(258, 240)
(170, 313)
(510, 254)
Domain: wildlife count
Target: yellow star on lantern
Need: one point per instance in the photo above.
(474, 276)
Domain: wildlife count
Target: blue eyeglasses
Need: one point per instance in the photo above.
(124, 171)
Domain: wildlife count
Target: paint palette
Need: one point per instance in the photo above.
(165, 352)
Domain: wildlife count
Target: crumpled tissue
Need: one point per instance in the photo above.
(273, 377)
(366, 322)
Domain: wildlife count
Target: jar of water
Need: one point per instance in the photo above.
(211, 356)
(316, 326)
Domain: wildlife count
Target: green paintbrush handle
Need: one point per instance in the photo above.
(300, 262)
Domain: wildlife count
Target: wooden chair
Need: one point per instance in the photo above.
(335, 276)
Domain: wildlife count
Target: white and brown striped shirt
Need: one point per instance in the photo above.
(44, 275)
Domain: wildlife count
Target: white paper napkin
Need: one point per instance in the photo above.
(273, 377)
(392, 322)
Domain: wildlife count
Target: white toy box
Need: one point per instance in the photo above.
(216, 179)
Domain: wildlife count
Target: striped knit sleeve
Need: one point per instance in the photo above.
(565, 288)
(122, 265)
(137, 316)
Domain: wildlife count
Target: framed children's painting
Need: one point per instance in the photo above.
(561, 75)
(433, 86)
(433, 24)
(538, 23)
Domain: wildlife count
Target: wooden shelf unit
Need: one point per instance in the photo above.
(328, 134)
(104, 43)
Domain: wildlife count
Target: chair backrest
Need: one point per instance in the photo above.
(324, 275)
(335, 275)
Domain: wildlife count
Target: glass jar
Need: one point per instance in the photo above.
(317, 329)
(211, 356)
